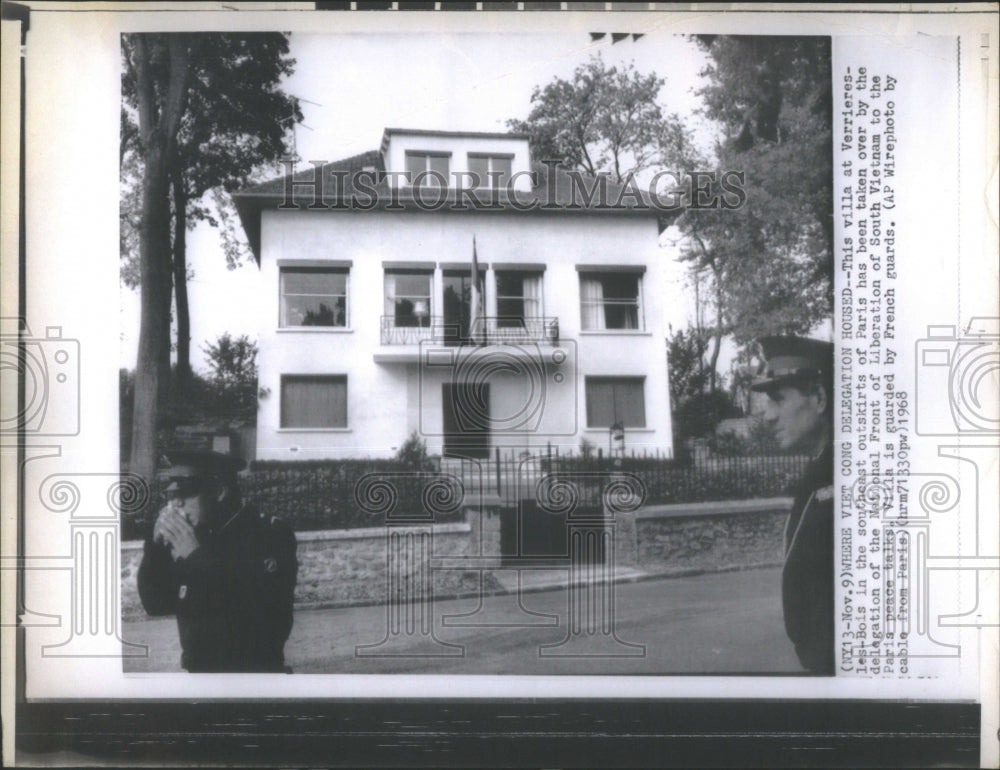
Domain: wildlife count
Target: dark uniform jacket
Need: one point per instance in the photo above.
(807, 578)
(232, 595)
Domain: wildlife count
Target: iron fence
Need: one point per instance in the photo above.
(324, 494)
(512, 476)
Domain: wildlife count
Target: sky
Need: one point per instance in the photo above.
(354, 86)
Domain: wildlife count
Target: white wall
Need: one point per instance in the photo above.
(385, 401)
(460, 147)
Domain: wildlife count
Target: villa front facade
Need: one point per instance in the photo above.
(374, 323)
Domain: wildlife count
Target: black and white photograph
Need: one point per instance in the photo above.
(543, 384)
(533, 356)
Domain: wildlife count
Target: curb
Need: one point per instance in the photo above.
(641, 577)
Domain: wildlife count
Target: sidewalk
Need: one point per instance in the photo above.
(533, 576)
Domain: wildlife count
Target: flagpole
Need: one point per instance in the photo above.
(477, 320)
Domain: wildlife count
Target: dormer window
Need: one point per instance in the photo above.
(490, 170)
(427, 169)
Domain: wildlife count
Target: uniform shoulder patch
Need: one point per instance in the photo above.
(824, 494)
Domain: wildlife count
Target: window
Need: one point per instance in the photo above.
(615, 399)
(490, 170)
(408, 297)
(610, 301)
(313, 297)
(313, 401)
(433, 166)
(519, 297)
(460, 308)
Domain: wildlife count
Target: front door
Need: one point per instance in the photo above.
(465, 409)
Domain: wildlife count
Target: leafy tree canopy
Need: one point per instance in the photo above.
(236, 120)
(769, 264)
(604, 120)
(771, 261)
(232, 362)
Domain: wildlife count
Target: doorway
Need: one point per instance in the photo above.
(465, 408)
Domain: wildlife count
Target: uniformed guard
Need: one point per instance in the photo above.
(226, 572)
(797, 376)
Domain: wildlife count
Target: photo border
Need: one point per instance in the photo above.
(663, 732)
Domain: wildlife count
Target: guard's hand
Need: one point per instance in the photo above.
(176, 532)
(158, 533)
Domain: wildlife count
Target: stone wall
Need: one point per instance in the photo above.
(704, 536)
(341, 567)
(348, 567)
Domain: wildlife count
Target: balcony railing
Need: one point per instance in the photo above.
(483, 331)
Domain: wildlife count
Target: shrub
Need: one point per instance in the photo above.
(680, 481)
(737, 478)
(759, 441)
(321, 494)
(699, 414)
(729, 444)
(413, 454)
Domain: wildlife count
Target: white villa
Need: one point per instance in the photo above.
(373, 327)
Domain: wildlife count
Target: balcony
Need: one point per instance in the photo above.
(402, 343)
(483, 331)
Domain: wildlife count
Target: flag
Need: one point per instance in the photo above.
(477, 323)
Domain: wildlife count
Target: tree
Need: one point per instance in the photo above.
(609, 121)
(229, 393)
(236, 122)
(767, 267)
(686, 357)
(232, 362)
(605, 120)
(695, 404)
(207, 108)
(413, 454)
(770, 262)
(160, 66)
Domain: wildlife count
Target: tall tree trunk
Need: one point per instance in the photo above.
(699, 328)
(163, 360)
(159, 120)
(708, 260)
(716, 336)
(180, 285)
(154, 251)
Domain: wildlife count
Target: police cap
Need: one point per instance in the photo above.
(197, 464)
(792, 360)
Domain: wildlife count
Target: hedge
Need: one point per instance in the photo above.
(347, 494)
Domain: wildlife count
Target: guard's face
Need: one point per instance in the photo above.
(797, 417)
(191, 494)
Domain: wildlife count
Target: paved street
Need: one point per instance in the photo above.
(707, 624)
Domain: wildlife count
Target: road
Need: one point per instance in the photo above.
(720, 623)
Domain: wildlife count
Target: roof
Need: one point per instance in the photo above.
(557, 190)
